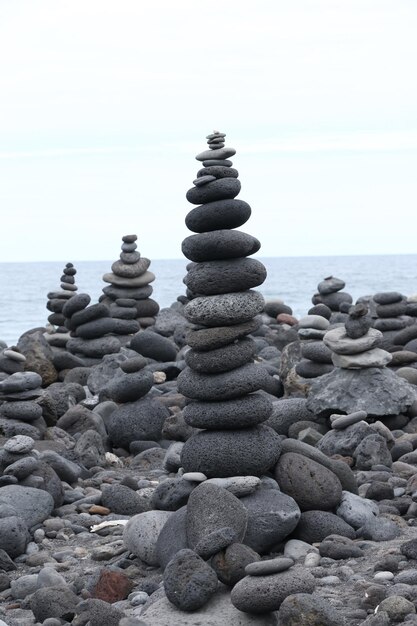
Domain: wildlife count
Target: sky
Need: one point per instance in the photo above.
(105, 103)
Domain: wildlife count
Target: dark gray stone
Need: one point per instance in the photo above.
(338, 547)
(32, 505)
(95, 348)
(129, 387)
(272, 516)
(313, 486)
(140, 420)
(220, 336)
(227, 385)
(288, 411)
(392, 310)
(122, 500)
(20, 381)
(372, 450)
(225, 309)
(219, 244)
(222, 359)
(332, 300)
(189, 582)
(136, 293)
(311, 608)
(255, 450)
(311, 369)
(210, 510)
(314, 526)
(96, 612)
(263, 594)
(317, 351)
(173, 537)
(218, 215)
(225, 276)
(229, 564)
(77, 303)
(24, 411)
(14, 535)
(219, 189)
(89, 449)
(241, 412)
(387, 297)
(331, 284)
(53, 602)
(87, 315)
(172, 494)
(150, 344)
(345, 441)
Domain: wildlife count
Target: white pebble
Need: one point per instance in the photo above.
(384, 576)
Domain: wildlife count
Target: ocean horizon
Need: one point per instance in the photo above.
(24, 286)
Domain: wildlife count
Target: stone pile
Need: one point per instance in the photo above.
(57, 299)
(11, 361)
(221, 377)
(128, 294)
(316, 357)
(360, 380)
(93, 331)
(20, 414)
(330, 293)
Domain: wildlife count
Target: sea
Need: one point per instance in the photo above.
(24, 286)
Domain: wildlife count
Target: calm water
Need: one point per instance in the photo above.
(24, 286)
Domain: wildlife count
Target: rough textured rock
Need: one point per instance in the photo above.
(141, 534)
(189, 582)
(378, 391)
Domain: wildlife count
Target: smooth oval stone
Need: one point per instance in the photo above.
(270, 566)
(313, 486)
(215, 162)
(222, 359)
(358, 327)
(218, 215)
(229, 564)
(90, 313)
(96, 328)
(314, 321)
(24, 411)
(238, 485)
(219, 244)
(129, 257)
(96, 348)
(312, 369)
(224, 309)
(218, 171)
(210, 510)
(333, 300)
(392, 310)
(76, 303)
(222, 153)
(330, 285)
(146, 308)
(20, 381)
(203, 180)
(139, 281)
(129, 238)
(343, 421)
(263, 594)
(150, 344)
(136, 421)
(255, 450)
(218, 189)
(14, 356)
(130, 387)
(389, 323)
(338, 341)
(249, 410)
(371, 358)
(227, 385)
(212, 338)
(136, 293)
(189, 582)
(317, 351)
(388, 297)
(216, 277)
(130, 270)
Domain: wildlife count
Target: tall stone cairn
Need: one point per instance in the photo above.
(221, 378)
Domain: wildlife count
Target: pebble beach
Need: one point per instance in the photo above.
(225, 460)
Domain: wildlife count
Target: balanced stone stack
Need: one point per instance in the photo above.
(20, 414)
(390, 308)
(317, 358)
(57, 299)
(93, 331)
(330, 293)
(360, 380)
(128, 294)
(221, 378)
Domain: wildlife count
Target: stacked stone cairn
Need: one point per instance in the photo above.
(57, 335)
(390, 313)
(316, 356)
(20, 413)
(360, 380)
(128, 294)
(330, 293)
(221, 377)
(92, 329)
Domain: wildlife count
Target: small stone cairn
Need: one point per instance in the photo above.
(360, 380)
(317, 358)
(57, 299)
(20, 414)
(128, 292)
(390, 308)
(221, 378)
(330, 293)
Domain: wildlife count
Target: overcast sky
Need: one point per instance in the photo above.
(105, 103)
